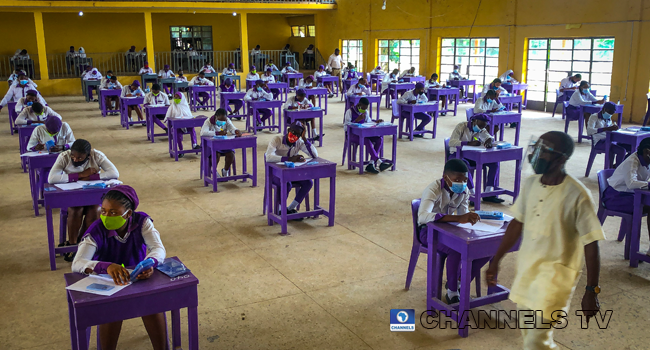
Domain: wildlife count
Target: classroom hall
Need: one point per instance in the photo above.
(336, 279)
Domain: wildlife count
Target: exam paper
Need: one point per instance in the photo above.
(491, 226)
(96, 285)
(473, 148)
(298, 163)
(35, 154)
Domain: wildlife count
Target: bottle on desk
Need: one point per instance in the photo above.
(605, 98)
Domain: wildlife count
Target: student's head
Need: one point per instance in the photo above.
(132, 47)
(336, 52)
(259, 83)
(109, 74)
(310, 79)
(253, 69)
(434, 76)
(231, 66)
(113, 78)
(362, 81)
(118, 205)
(287, 64)
(31, 96)
(455, 175)
(419, 89)
(71, 48)
(22, 79)
(395, 71)
(576, 78)
(18, 70)
(257, 47)
(584, 87)
(155, 89)
(146, 64)
(89, 68)
(268, 72)
(311, 46)
(300, 95)
(23, 52)
(609, 109)
(135, 85)
(270, 62)
(180, 73)
(221, 114)
(178, 98)
(53, 125)
(208, 64)
(227, 82)
(295, 131)
(490, 96)
(37, 108)
(202, 75)
(363, 104)
(321, 68)
(287, 46)
(511, 74)
(551, 152)
(496, 83)
(412, 70)
(94, 71)
(79, 152)
(644, 150)
(456, 68)
(479, 122)
(166, 68)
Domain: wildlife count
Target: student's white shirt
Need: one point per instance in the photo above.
(347, 119)
(88, 247)
(269, 78)
(166, 75)
(234, 89)
(483, 106)
(254, 95)
(127, 90)
(377, 71)
(348, 74)
(486, 88)
(558, 221)
(335, 61)
(145, 71)
(578, 99)
(388, 78)
(161, 99)
(207, 69)
(15, 92)
(630, 175)
(566, 83)
(320, 74)
(204, 82)
(96, 160)
(229, 71)
(71, 54)
(272, 66)
(429, 84)
(14, 81)
(355, 89)
(253, 76)
(277, 150)
(64, 137)
(21, 103)
(308, 51)
(406, 73)
(303, 85)
(91, 76)
(438, 200)
(208, 129)
(292, 102)
(462, 134)
(179, 111)
(255, 52)
(107, 84)
(596, 123)
(411, 96)
(179, 78)
(288, 69)
(28, 114)
(455, 76)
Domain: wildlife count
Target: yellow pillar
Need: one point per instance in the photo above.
(148, 29)
(243, 35)
(40, 45)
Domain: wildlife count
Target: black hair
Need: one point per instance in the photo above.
(37, 107)
(220, 111)
(155, 87)
(579, 76)
(109, 71)
(364, 101)
(455, 165)
(564, 143)
(113, 77)
(114, 195)
(22, 74)
(30, 93)
(301, 92)
(81, 146)
(201, 73)
(497, 80)
(645, 144)
(583, 82)
(434, 75)
(490, 93)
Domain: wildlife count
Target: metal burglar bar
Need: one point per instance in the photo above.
(190, 62)
(8, 64)
(353, 52)
(279, 57)
(121, 63)
(399, 54)
(478, 58)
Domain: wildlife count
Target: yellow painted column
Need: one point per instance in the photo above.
(243, 37)
(40, 45)
(148, 29)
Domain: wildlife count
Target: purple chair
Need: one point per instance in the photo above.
(11, 109)
(395, 108)
(569, 115)
(592, 156)
(559, 99)
(469, 113)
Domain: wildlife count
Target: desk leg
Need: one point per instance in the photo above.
(73, 325)
(326, 98)
(581, 121)
(204, 164)
(501, 132)
(517, 180)
(33, 183)
(193, 328)
(213, 169)
(635, 235)
(518, 131)
(394, 153)
(316, 195)
(332, 200)
(320, 132)
(50, 237)
(435, 123)
(176, 329)
(478, 185)
(176, 140)
(362, 154)
(170, 138)
(463, 307)
(82, 338)
(608, 141)
(254, 159)
(283, 204)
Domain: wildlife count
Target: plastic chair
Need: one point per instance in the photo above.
(469, 113)
(558, 99)
(395, 108)
(569, 115)
(11, 109)
(233, 166)
(592, 156)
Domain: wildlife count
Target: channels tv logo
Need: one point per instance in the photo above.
(402, 320)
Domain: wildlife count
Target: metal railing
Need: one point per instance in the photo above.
(121, 63)
(192, 61)
(30, 65)
(279, 58)
(319, 59)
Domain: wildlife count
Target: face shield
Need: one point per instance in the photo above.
(534, 155)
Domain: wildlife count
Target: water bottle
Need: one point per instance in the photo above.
(619, 102)
(605, 98)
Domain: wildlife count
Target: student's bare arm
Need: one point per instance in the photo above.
(512, 235)
(472, 218)
(590, 305)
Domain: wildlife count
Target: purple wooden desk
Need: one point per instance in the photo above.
(502, 118)
(157, 294)
(472, 245)
(11, 110)
(351, 101)
(236, 79)
(411, 109)
(209, 148)
(194, 95)
(434, 94)
(591, 109)
(395, 88)
(492, 155)
(126, 102)
(418, 79)
(291, 116)
(148, 78)
(320, 92)
(466, 84)
(508, 100)
(255, 106)
(347, 83)
(283, 87)
(629, 136)
(376, 79)
(152, 112)
(24, 134)
(641, 199)
(226, 97)
(323, 169)
(39, 169)
(173, 124)
(517, 89)
(289, 76)
(330, 79)
(103, 93)
(363, 133)
(53, 197)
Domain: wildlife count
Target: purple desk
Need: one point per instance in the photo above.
(347, 83)
(418, 79)
(250, 84)
(39, 169)
(472, 245)
(517, 89)
(209, 148)
(411, 110)
(289, 76)
(323, 169)
(434, 94)
(641, 199)
(291, 116)
(103, 93)
(629, 136)
(492, 155)
(148, 78)
(376, 79)
(503, 118)
(156, 294)
(508, 100)
(194, 94)
(591, 109)
(11, 110)
(330, 79)
(363, 133)
(320, 92)
(173, 124)
(24, 134)
(395, 88)
(283, 87)
(353, 100)
(125, 103)
(465, 83)
(255, 106)
(88, 84)
(57, 198)
(151, 113)
(236, 79)
(226, 97)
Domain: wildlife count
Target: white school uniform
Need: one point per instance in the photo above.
(566, 83)
(229, 71)
(278, 151)
(179, 111)
(127, 90)
(107, 85)
(347, 119)
(166, 75)
(411, 96)
(145, 71)
(630, 175)
(292, 102)
(253, 76)
(29, 81)
(486, 88)
(355, 89)
(20, 105)
(179, 78)
(91, 76)
(198, 81)
(303, 85)
(27, 116)
(437, 201)
(320, 74)
(254, 95)
(388, 78)
(269, 78)
(64, 137)
(288, 69)
(272, 66)
(482, 106)
(16, 92)
(434, 84)
(348, 74)
(161, 99)
(462, 134)
(596, 123)
(506, 78)
(578, 99)
(208, 129)
(455, 76)
(64, 171)
(407, 73)
(377, 71)
(207, 69)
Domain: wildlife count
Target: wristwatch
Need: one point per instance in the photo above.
(593, 289)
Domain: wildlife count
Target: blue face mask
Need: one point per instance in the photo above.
(29, 103)
(496, 88)
(24, 82)
(220, 123)
(260, 89)
(585, 90)
(456, 71)
(361, 86)
(476, 128)
(458, 187)
(607, 116)
(489, 100)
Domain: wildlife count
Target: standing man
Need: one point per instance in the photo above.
(556, 220)
(335, 63)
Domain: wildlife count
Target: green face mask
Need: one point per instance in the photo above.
(155, 93)
(52, 134)
(177, 100)
(113, 223)
(361, 110)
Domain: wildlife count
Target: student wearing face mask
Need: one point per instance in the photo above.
(54, 136)
(156, 97)
(488, 103)
(106, 78)
(252, 75)
(359, 89)
(495, 85)
(298, 102)
(447, 200)
(145, 69)
(179, 109)
(166, 73)
(414, 96)
(260, 92)
(31, 97)
(582, 97)
(349, 72)
(455, 75)
(230, 70)
(322, 73)
(220, 124)
(81, 162)
(112, 102)
(392, 77)
(181, 78)
(598, 126)
(200, 80)
(359, 115)
(92, 74)
(133, 90)
(17, 91)
(36, 113)
(228, 86)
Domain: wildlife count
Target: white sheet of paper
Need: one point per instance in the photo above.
(81, 286)
(483, 225)
(307, 160)
(69, 186)
(34, 154)
(82, 182)
(160, 105)
(224, 137)
(474, 148)
(113, 182)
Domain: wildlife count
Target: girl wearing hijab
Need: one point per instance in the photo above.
(179, 109)
(166, 73)
(133, 90)
(122, 237)
(228, 86)
(219, 124)
(92, 74)
(146, 69)
(54, 136)
(17, 90)
(81, 162)
(509, 77)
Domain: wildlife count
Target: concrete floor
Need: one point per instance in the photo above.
(320, 287)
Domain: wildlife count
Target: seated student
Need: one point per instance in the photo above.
(300, 101)
(122, 238)
(447, 200)
(509, 77)
(408, 73)
(220, 124)
(200, 80)
(412, 97)
(307, 83)
(632, 174)
(92, 74)
(81, 162)
(322, 73)
(570, 83)
(54, 136)
(252, 75)
(359, 115)
(17, 90)
(393, 77)
(308, 56)
(112, 102)
(31, 97)
(359, 89)
(156, 98)
(377, 70)
(271, 65)
(474, 133)
(349, 72)
(13, 78)
(228, 86)
(287, 147)
(181, 110)
(597, 127)
(260, 92)
(488, 103)
(268, 77)
(496, 86)
(106, 78)
(181, 78)
(166, 73)
(434, 84)
(455, 75)
(36, 113)
(230, 70)
(207, 68)
(287, 70)
(583, 97)
(145, 69)
(133, 90)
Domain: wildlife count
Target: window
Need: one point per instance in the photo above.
(199, 38)
(312, 31)
(399, 54)
(352, 52)
(478, 58)
(303, 31)
(551, 60)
